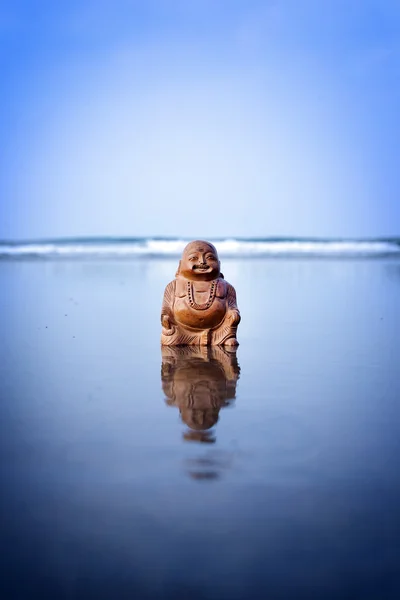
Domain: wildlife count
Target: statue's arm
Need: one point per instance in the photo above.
(231, 297)
(233, 312)
(168, 302)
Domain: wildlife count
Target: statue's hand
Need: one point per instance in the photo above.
(167, 327)
(165, 322)
(233, 318)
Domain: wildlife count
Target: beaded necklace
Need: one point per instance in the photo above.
(205, 305)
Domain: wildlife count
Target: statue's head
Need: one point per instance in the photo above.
(199, 262)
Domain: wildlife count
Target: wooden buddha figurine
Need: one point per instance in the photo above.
(199, 306)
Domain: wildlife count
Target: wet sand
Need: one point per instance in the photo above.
(272, 472)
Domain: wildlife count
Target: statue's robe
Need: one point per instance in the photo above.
(191, 326)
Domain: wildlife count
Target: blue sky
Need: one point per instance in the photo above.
(199, 118)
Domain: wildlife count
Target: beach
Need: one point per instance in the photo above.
(293, 493)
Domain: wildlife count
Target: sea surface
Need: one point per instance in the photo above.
(272, 472)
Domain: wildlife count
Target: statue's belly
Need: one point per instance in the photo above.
(199, 319)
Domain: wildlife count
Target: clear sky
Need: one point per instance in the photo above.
(199, 118)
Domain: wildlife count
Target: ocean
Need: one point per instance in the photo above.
(128, 472)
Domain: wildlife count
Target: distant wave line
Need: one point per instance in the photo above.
(171, 247)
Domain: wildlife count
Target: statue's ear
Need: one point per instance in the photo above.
(179, 268)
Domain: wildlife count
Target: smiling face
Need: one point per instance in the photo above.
(199, 262)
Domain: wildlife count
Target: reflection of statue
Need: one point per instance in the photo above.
(199, 306)
(199, 381)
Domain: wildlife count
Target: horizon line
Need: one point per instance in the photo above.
(127, 239)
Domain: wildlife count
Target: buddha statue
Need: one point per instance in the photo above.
(199, 306)
(199, 381)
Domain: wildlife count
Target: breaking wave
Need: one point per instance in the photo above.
(115, 248)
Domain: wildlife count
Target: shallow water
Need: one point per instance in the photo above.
(107, 493)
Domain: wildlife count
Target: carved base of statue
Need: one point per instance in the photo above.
(199, 306)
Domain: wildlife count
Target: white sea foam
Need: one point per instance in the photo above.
(131, 248)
